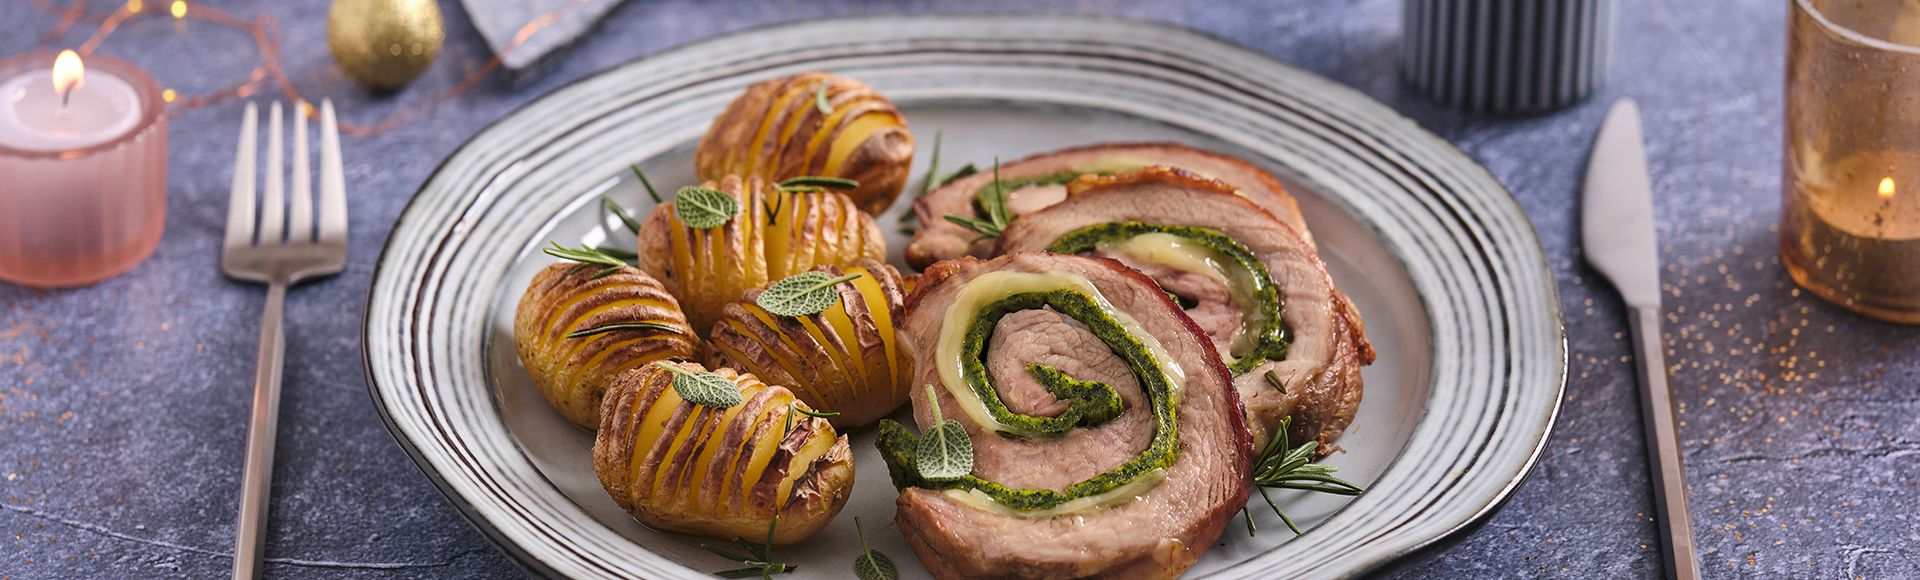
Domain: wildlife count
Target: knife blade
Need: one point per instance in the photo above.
(1617, 234)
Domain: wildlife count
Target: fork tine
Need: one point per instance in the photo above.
(300, 214)
(240, 202)
(272, 215)
(333, 187)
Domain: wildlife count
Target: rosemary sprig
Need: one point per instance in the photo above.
(933, 166)
(619, 326)
(757, 561)
(623, 254)
(773, 208)
(613, 207)
(643, 181)
(820, 100)
(993, 201)
(587, 257)
(1282, 466)
(1274, 381)
(819, 414)
(817, 183)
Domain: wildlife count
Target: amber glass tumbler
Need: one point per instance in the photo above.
(1850, 213)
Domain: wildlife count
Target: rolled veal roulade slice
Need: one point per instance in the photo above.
(1106, 437)
(1294, 343)
(1039, 181)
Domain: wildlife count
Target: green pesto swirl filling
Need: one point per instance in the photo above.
(1090, 403)
(1270, 335)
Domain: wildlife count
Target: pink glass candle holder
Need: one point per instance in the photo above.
(83, 169)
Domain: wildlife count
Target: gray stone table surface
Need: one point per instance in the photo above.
(123, 405)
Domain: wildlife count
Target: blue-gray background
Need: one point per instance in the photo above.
(123, 405)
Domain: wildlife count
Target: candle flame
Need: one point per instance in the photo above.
(68, 73)
(1886, 188)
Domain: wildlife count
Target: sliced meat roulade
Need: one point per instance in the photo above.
(1107, 438)
(1039, 181)
(1293, 342)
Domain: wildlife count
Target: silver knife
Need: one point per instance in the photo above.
(1616, 230)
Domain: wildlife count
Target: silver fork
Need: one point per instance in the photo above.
(278, 248)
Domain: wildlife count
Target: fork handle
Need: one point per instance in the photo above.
(251, 540)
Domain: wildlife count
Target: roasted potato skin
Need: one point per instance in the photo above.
(844, 359)
(572, 373)
(776, 130)
(647, 454)
(775, 235)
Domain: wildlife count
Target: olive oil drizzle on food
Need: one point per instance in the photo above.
(1272, 336)
(1091, 403)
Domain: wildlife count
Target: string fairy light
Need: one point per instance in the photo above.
(265, 33)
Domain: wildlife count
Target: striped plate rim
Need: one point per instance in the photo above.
(1500, 347)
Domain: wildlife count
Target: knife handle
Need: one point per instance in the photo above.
(1663, 446)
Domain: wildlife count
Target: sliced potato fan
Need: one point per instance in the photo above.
(843, 359)
(775, 234)
(721, 473)
(812, 124)
(575, 329)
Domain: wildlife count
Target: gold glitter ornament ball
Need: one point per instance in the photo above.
(384, 44)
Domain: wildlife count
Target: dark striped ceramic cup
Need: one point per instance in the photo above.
(1507, 56)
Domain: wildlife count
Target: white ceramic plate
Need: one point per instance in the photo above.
(1441, 262)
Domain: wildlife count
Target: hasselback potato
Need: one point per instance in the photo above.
(568, 299)
(722, 473)
(787, 127)
(775, 234)
(843, 359)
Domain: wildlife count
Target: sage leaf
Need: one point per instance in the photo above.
(703, 388)
(945, 453)
(872, 565)
(802, 294)
(619, 326)
(701, 208)
(818, 181)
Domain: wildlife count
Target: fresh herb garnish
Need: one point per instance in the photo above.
(626, 219)
(758, 560)
(802, 294)
(702, 208)
(1282, 467)
(993, 202)
(933, 166)
(1274, 381)
(586, 257)
(818, 181)
(944, 453)
(623, 254)
(619, 326)
(703, 388)
(820, 100)
(964, 171)
(872, 565)
(773, 207)
(643, 181)
(819, 414)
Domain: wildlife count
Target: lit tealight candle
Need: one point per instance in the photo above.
(82, 168)
(47, 110)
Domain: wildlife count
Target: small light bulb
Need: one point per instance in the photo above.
(169, 95)
(1886, 188)
(179, 8)
(135, 6)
